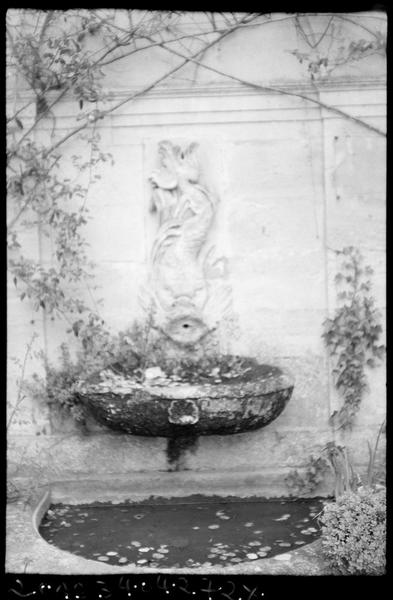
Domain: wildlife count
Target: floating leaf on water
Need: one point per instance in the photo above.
(305, 520)
(265, 549)
(65, 523)
(196, 527)
(158, 555)
(140, 516)
(282, 557)
(111, 553)
(257, 531)
(248, 524)
(211, 556)
(163, 550)
(224, 517)
(300, 542)
(137, 544)
(312, 529)
(255, 543)
(123, 559)
(236, 560)
(305, 532)
(103, 558)
(284, 544)
(252, 556)
(213, 526)
(143, 549)
(141, 561)
(283, 518)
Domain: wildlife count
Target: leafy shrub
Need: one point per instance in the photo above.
(354, 532)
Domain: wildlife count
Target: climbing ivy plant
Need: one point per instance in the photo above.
(352, 336)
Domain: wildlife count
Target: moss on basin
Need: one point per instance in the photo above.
(169, 407)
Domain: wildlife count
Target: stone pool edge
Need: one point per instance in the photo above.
(28, 552)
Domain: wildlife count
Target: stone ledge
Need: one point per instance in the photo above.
(137, 486)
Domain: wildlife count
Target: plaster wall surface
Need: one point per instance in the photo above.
(295, 183)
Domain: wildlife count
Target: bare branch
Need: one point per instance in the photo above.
(283, 92)
(144, 90)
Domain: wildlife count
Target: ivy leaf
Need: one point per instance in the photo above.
(76, 327)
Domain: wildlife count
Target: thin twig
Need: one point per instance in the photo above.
(20, 397)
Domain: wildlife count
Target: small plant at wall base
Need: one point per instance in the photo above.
(352, 335)
(333, 458)
(306, 482)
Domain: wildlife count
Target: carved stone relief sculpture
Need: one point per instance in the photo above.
(187, 292)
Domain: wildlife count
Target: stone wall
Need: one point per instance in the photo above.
(295, 182)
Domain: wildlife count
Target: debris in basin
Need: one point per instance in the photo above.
(154, 373)
(283, 518)
(183, 525)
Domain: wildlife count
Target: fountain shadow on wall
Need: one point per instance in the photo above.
(179, 384)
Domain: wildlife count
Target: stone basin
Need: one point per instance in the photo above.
(178, 408)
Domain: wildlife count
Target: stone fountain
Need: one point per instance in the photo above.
(188, 300)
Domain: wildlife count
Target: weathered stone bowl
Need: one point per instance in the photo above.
(179, 408)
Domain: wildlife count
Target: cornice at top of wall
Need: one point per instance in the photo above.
(238, 89)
